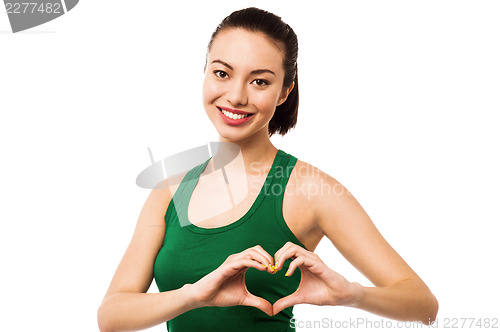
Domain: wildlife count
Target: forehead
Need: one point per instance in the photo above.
(246, 50)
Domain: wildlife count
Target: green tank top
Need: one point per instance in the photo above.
(190, 252)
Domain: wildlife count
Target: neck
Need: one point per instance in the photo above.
(257, 151)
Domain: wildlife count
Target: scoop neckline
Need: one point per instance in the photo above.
(258, 200)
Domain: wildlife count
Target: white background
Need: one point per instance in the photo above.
(399, 102)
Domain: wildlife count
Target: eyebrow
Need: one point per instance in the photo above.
(254, 72)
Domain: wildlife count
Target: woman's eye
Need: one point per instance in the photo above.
(220, 74)
(260, 82)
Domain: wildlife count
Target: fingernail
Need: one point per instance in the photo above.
(286, 274)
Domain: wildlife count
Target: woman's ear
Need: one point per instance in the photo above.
(284, 94)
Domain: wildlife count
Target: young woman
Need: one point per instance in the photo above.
(242, 268)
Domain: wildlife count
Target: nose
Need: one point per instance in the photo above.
(237, 94)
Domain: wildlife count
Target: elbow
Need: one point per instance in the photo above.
(435, 308)
(432, 307)
(425, 304)
(428, 304)
(102, 320)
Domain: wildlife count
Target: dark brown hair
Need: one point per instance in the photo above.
(258, 20)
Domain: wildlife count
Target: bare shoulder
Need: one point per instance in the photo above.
(329, 199)
(315, 186)
(304, 173)
(307, 191)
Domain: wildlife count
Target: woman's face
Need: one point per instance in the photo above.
(244, 75)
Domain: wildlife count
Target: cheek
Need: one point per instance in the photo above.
(209, 91)
(266, 102)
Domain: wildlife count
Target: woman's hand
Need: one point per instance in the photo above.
(318, 285)
(226, 287)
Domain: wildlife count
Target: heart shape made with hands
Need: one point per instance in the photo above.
(272, 286)
(309, 280)
(266, 283)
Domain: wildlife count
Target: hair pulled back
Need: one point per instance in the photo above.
(258, 20)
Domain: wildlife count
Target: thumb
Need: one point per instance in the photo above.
(258, 302)
(285, 302)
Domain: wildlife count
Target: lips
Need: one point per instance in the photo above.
(231, 110)
(234, 117)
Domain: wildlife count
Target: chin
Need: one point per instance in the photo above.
(229, 136)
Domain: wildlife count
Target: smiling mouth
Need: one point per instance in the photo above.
(234, 116)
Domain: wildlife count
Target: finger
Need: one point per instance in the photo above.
(285, 302)
(279, 255)
(258, 302)
(286, 246)
(240, 265)
(291, 251)
(269, 258)
(294, 264)
(305, 261)
(272, 264)
(259, 254)
(248, 262)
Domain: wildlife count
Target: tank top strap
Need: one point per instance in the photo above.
(281, 176)
(288, 165)
(191, 178)
(181, 196)
(273, 201)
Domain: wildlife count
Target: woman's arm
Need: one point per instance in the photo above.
(408, 300)
(126, 305)
(398, 293)
(129, 311)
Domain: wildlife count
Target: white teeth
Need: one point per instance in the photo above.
(234, 116)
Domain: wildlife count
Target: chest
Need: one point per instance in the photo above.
(221, 199)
